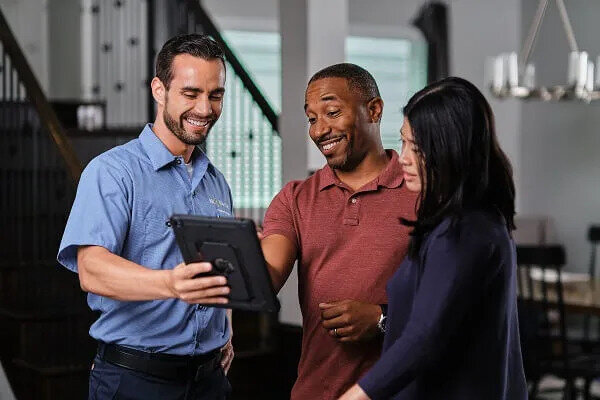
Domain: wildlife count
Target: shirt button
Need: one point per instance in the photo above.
(354, 201)
(177, 161)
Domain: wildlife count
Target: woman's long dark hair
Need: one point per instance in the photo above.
(462, 165)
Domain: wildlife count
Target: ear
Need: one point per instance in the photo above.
(158, 91)
(375, 109)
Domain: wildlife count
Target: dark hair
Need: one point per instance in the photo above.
(359, 79)
(193, 44)
(462, 165)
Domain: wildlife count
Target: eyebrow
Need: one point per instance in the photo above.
(218, 90)
(329, 97)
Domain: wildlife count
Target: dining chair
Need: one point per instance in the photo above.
(590, 338)
(544, 337)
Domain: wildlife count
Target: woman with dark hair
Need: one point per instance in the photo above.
(452, 330)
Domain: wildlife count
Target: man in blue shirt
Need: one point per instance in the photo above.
(155, 341)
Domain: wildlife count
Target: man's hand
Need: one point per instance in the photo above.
(355, 393)
(206, 289)
(227, 356)
(350, 320)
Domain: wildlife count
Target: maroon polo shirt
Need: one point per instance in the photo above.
(349, 244)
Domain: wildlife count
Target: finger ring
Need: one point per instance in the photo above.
(335, 332)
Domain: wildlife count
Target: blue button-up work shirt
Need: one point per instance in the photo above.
(124, 201)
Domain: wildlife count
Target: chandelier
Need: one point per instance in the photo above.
(513, 76)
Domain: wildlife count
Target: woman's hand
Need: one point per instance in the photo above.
(355, 393)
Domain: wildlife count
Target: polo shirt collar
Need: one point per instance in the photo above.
(327, 178)
(391, 177)
(158, 153)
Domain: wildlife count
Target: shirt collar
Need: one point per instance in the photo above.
(158, 153)
(391, 177)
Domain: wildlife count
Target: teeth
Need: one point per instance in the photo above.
(330, 146)
(196, 122)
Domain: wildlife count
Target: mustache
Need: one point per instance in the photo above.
(193, 115)
(329, 137)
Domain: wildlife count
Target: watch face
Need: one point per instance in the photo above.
(381, 323)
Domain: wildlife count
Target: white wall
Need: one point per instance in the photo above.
(561, 141)
(479, 29)
(28, 20)
(386, 16)
(259, 15)
(383, 12)
(64, 25)
(48, 33)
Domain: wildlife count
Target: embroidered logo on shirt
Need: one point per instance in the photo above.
(220, 206)
(218, 203)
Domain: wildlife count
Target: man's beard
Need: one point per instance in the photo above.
(179, 131)
(350, 160)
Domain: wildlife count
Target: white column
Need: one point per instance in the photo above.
(313, 35)
(294, 54)
(327, 32)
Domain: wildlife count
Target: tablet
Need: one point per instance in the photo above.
(232, 247)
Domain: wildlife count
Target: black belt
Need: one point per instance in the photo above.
(166, 366)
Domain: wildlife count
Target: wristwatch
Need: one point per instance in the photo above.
(383, 318)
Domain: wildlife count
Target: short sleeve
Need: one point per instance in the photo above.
(101, 212)
(279, 218)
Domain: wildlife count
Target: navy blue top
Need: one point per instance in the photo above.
(452, 330)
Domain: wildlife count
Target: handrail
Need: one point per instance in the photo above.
(211, 29)
(37, 97)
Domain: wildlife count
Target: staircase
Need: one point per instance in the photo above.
(44, 346)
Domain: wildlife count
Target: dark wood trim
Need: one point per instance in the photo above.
(37, 97)
(210, 29)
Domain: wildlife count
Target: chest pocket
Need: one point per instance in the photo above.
(158, 236)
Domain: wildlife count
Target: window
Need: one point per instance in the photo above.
(400, 68)
(243, 145)
(245, 148)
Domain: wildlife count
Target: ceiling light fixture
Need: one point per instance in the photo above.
(514, 76)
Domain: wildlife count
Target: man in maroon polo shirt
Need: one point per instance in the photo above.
(343, 226)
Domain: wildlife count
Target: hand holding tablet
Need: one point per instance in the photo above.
(233, 248)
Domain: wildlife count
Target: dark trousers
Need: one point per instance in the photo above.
(109, 381)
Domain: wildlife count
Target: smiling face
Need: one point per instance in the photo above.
(340, 124)
(194, 99)
(411, 159)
